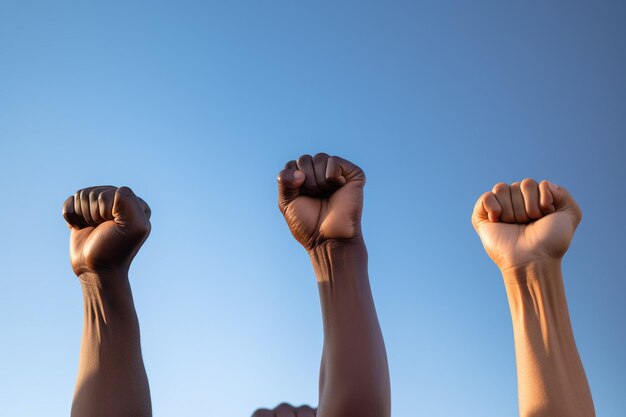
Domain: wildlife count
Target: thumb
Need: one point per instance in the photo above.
(289, 183)
(563, 201)
(129, 210)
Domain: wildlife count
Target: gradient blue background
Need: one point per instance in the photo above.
(197, 106)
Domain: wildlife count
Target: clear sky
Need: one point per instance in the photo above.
(197, 106)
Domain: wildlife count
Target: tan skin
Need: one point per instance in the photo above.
(321, 198)
(108, 226)
(526, 228)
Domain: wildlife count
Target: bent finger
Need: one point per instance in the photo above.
(502, 192)
(70, 215)
(546, 203)
(305, 411)
(320, 162)
(94, 205)
(289, 183)
(105, 203)
(519, 210)
(530, 193)
(305, 164)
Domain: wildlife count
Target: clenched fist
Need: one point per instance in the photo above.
(525, 222)
(321, 198)
(286, 410)
(108, 226)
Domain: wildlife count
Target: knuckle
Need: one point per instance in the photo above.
(282, 175)
(124, 191)
(304, 408)
(500, 188)
(65, 209)
(486, 195)
(528, 183)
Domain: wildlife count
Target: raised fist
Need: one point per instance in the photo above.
(286, 410)
(321, 198)
(108, 226)
(525, 222)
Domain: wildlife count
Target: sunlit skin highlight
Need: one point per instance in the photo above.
(526, 228)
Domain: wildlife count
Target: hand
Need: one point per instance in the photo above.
(321, 198)
(286, 410)
(108, 226)
(525, 222)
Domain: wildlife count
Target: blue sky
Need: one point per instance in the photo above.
(197, 106)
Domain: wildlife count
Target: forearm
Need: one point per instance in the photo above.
(551, 378)
(111, 379)
(354, 378)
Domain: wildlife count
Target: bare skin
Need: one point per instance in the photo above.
(286, 410)
(321, 198)
(108, 225)
(526, 228)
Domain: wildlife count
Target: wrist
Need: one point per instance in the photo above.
(339, 257)
(536, 289)
(532, 271)
(103, 279)
(107, 289)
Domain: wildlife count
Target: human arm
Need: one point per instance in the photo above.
(526, 228)
(108, 225)
(321, 198)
